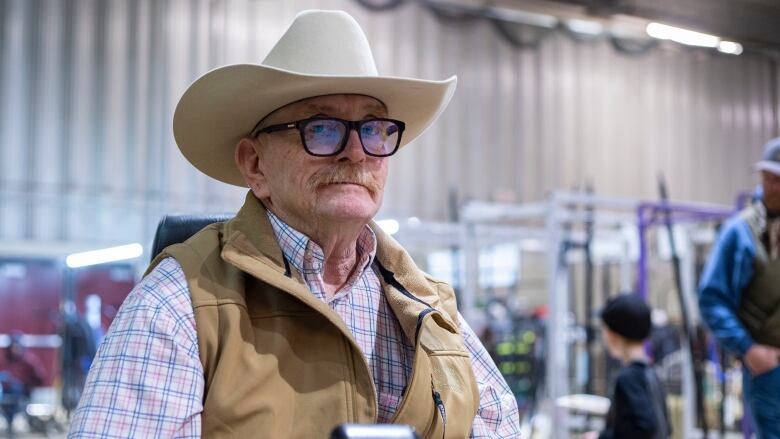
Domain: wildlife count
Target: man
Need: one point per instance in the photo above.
(299, 314)
(20, 372)
(79, 345)
(739, 294)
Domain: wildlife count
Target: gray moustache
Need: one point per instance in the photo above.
(345, 176)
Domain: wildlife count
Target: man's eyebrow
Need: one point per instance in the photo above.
(319, 108)
(376, 110)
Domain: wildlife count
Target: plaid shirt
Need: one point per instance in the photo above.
(147, 379)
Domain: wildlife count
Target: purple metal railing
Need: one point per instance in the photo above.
(651, 214)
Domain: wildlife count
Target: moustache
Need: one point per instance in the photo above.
(345, 174)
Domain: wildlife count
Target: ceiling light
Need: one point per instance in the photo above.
(105, 255)
(585, 27)
(730, 47)
(522, 17)
(682, 36)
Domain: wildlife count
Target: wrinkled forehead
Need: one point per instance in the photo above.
(332, 105)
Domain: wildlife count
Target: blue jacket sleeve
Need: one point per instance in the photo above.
(727, 273)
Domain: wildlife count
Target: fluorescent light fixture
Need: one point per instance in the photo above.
(585, 27)
(390, 226)
(105, 255)
(522, 17)
(682, 36)
(730, 47)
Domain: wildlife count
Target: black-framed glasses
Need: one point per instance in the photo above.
(328, 136)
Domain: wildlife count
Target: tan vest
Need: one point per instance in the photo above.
(759, 309)
(280, 363)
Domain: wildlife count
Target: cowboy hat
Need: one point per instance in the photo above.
(322, 53)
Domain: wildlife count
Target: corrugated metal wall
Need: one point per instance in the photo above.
(87, 90)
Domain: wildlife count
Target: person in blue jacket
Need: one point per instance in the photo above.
(739, 294)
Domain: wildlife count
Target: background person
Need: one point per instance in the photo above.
(638, 403)
(739, 294)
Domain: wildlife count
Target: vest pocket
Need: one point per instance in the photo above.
(455, 394)
(752, 315)
(770, 331)
(417, 405)
(761, 318)
(438, 418)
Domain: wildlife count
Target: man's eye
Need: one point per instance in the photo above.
(322, 127)
(370, 130)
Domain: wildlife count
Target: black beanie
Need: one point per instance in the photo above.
(627, 315)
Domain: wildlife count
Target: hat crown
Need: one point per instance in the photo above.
(323, 43)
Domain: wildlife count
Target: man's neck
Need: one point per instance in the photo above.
(338, 241)
(634, 352)
(339, 248)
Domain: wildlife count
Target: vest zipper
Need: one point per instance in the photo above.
(287, 271)
(440, 406)
(353, 368)
(420, 319)
(390, 279)
(332, 319)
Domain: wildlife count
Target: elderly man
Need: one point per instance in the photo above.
(299, 314)
(739, 294)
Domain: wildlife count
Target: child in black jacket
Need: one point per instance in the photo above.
(638, 409)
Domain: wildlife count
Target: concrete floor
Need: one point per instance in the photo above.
(33, 436)
(22, 430)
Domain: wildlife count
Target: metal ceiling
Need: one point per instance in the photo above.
(754, 23)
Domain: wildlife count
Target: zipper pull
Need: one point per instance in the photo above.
(439, 404)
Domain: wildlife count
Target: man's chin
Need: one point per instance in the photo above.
(344, 188)
(348, 208)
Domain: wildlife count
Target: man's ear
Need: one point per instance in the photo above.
(251, 167)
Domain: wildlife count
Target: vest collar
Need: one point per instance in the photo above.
(251, 233)
(400, 277)
(306, 256)
(250, 245)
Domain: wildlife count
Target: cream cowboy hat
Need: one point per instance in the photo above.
(323, 52)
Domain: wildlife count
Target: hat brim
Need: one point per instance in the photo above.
(767, 165)
(224, 105)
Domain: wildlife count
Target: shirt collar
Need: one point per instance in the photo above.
(307, 256)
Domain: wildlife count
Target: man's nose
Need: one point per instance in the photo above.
(353, 151)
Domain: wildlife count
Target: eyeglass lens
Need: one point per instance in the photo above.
(325, 136)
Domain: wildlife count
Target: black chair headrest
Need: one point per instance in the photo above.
(174, 229)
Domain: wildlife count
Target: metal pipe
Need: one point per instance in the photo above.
(688, 327)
